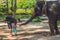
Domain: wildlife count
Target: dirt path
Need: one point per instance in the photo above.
(31, 31)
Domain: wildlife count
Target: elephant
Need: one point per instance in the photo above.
(51, 9)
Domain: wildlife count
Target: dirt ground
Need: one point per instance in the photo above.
(31, 31)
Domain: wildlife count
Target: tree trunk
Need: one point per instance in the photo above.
(7, 7)
(14, 8)
(12, 5)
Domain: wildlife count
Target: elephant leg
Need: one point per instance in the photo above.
(56, 28)
(51, 27)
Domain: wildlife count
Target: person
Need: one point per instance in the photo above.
(12, 24)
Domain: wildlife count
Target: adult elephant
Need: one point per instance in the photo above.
(52, 11)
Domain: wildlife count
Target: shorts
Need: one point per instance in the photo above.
(10, 25)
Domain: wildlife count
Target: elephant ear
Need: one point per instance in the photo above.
(53, 7)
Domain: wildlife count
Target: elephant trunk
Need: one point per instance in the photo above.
(32, 17)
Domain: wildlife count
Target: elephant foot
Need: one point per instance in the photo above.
(57, 33)
(52, 34)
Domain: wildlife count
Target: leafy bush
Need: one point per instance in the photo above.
(37, 19)
(18, 11)
(25, 4)
(58, 22)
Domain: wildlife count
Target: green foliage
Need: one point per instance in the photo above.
(2, 7)
(23, 16)
(25, 3)
(18, 11)
(37, 19)
(58, 22)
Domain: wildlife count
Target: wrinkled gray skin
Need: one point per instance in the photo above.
(52, 12)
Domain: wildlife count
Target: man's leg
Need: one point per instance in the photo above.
(10, 29)
(14, 28)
